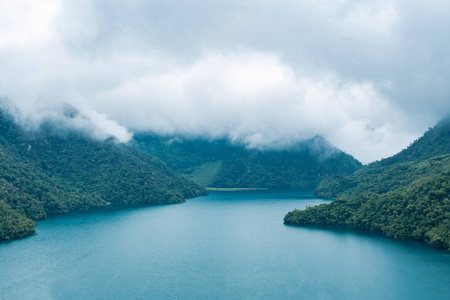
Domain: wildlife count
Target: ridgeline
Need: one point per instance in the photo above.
(221, 164)
(47, 173)
(405, 196)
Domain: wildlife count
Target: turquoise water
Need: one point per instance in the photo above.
(228, 245)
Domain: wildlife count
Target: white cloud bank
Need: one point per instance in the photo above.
(267, 73)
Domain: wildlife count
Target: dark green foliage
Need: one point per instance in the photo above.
(420, 212)
(225, 165)
(43, 173)
(427, 156)
(380, 179)
(405, 196)
(14, 225)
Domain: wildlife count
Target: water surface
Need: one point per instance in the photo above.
(228, 245)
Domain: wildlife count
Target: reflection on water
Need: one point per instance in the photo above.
(228, 245)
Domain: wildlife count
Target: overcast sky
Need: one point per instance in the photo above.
(369, 76)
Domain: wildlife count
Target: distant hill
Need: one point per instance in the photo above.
(44, 173)
(221, 164)
(405, 196)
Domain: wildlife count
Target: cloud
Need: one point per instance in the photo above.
(369, 76)
(26, 22)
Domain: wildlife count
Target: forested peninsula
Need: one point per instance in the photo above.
(53, 171)
(223, 164)
(405, 196)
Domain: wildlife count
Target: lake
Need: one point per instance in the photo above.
(227, 245)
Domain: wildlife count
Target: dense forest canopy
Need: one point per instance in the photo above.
(405, 196)
(49, 172)
(222, 164)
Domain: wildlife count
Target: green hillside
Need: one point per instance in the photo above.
(43, 173)
(221, 164)
(405, 196)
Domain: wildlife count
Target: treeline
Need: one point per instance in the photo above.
(14, 224)
(421, 212)
(222, 164)
(405, 196)
(45, 173)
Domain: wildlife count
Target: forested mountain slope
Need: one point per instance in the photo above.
(44, 173)
(405, 196)
(222, 164)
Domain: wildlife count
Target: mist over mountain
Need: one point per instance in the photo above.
(51, 171)
(367, 76)
(223, 164)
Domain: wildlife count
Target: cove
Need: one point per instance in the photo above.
(227, 245)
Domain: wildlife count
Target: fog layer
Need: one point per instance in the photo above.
(368, 76)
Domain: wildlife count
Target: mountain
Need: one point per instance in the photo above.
(405, 196)
(47, 172)
(221, 164)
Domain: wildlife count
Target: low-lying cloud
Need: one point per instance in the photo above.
(368, 76)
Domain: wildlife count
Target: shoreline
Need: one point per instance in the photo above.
(214, 189)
